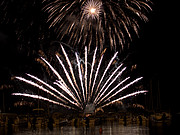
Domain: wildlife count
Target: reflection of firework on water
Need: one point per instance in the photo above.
(85, 83)
(96, 22)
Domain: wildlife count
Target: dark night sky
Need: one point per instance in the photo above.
(157, 40)
(155, 51)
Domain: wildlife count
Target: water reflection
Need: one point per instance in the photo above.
(108, 128)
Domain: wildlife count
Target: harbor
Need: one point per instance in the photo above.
(88, 124)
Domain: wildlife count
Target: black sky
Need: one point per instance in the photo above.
(158, 51)
(156, 44)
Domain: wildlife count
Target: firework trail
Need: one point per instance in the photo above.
(75, 88)
(96, 22)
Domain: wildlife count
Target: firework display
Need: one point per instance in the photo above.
(96, 22)
(85, 83)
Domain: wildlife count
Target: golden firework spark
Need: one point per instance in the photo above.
(97, 22)
(92, 9)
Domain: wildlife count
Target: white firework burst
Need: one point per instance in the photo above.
(82, 85)
(92, 9)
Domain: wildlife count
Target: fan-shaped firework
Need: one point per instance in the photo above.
(86, 83)
(96, 22)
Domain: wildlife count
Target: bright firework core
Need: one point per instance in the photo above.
(92, 9)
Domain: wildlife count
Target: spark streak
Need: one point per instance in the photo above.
(42, 98)
(126, 96)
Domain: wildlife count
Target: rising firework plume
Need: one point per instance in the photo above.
(96, 22)
(83, 84)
